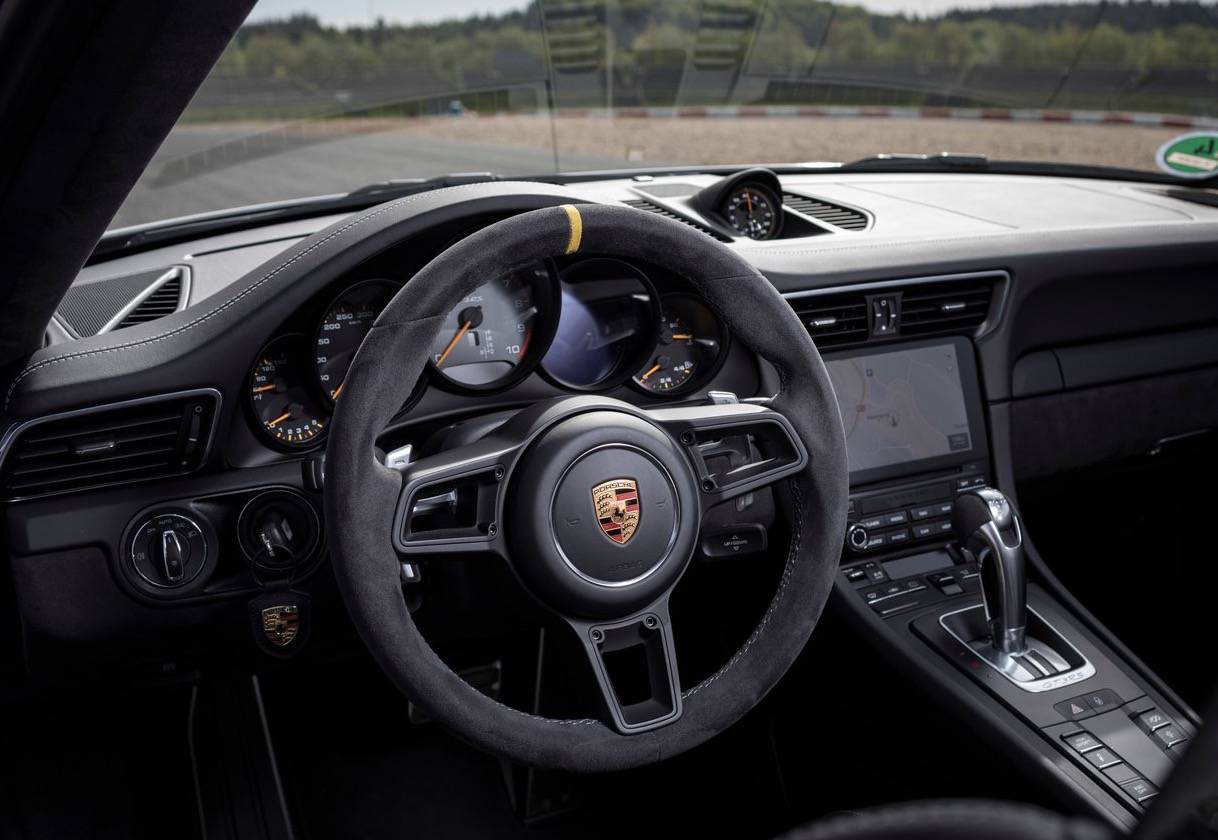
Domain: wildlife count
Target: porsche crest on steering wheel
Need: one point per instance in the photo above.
(617, 508)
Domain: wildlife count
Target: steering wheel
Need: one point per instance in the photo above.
(594, 504)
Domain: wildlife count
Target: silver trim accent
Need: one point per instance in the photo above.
(399, 459)
(12, 431)
(1072, 677)
(183, 297)
(998, 302)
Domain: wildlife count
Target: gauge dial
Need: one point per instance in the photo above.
(343, 326)
(753, 211)
(607, 323)
(283, 403)
(488, 337)
(689, 348)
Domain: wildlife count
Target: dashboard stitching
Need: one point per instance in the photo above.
(871, 244)
(231, 301)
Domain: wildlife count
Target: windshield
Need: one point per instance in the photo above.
(324, 96)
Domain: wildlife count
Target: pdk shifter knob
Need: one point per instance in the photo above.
(988, 529)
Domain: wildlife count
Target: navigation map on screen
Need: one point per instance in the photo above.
(905, 405)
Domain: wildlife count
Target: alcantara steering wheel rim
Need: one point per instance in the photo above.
(609, 592)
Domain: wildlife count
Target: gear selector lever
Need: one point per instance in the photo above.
(988, 528)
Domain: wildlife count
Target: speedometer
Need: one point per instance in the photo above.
(491, 338)
(343, 326)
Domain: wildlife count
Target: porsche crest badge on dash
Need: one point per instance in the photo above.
(617, 508)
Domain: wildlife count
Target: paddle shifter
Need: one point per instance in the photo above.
(988, 528)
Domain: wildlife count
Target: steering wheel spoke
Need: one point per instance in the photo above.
(451, 502)
(635, 664)
(735, 448)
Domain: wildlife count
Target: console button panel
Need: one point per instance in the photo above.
(921, 512)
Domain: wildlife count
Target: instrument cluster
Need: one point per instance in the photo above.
(592, 324)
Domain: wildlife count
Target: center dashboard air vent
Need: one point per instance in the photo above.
(837, 215)
(126, 442)
(952, 305)
(651, 207)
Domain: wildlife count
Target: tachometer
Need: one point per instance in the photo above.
(689, 348)
(753, 211)
(491, 337)
(343, 326)
(283, 403)
(607, 322)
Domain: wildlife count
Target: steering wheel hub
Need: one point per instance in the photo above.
(603, 514)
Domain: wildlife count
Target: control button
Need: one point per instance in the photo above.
(946, 584)
(1170, 735)
(871, 523)
(952, 589)
(971, 481)
(856, 575)
(944, 527)
(1083, 742)
(922, 513)
(897, 536)
(856, 537)
(1121, 773)
(1152, 720)
(914, 585)
(942, 509)
(875, 572)
(1103, 757)
(748, 539)
(1102, 700)
(1075, 708)
(876, 541)
(898, 517)
(1140, 789)
(1177, 750)
(921, 532)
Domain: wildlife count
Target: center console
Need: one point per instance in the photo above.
(936, 566)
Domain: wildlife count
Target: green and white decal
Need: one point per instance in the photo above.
(1190, 155)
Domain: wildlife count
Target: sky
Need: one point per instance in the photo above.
(343, 13)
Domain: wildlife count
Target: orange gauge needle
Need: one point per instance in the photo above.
(337, 391)
(264, 388)
(649, 372)
(748, 200)
(682, 337)
(461, 332)
(273, 423)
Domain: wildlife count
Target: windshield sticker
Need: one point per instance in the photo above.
(1190, 155)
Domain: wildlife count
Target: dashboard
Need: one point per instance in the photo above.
(916, 288)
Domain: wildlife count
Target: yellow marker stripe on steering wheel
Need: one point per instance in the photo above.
(577, 227)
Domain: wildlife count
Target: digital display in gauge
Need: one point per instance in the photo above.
(487, 337)
(753, 211)
(607, 322)
(282, 400)
(688, 350)
(343, 326)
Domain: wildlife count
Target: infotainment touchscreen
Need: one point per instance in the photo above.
(905, 406)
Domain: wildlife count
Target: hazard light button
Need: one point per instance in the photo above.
(1076, 708)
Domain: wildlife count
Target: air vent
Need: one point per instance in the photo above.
(164, 297)
(834, 320)
(644, 204)
(950, 307)
(846, 218)
(117, 302)
(114, 445)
